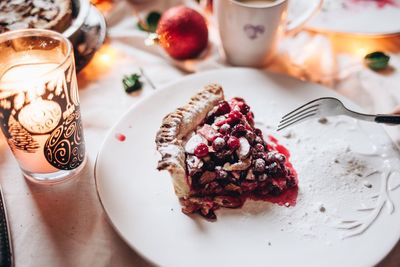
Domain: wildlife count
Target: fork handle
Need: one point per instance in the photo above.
(389, 119)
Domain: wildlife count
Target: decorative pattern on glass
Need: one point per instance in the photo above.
(52, 110)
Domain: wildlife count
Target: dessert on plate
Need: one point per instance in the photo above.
(218, 158)
(44, 14)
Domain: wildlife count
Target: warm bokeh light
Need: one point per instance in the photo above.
(363, 45)
(105, 58)
(102, 62)
(103, 5)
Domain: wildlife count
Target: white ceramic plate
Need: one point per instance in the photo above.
(302, 10)
(347, 174)
(365, 17)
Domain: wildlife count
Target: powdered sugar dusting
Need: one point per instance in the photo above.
(342, 185)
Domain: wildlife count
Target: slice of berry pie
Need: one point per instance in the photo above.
(218, 158)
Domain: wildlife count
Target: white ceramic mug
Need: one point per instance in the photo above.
(249, 30)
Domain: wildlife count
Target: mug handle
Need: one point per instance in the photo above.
(295, 25)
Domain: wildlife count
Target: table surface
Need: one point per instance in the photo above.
(64, 225)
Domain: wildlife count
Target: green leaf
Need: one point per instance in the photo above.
(132, 83)
(152, 21)
(377, 61)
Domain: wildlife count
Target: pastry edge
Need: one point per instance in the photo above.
(178, 124)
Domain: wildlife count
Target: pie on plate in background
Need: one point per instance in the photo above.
(43, 14)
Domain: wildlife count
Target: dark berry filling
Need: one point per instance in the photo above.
(229, 161)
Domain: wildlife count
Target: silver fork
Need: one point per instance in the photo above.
(330, 106)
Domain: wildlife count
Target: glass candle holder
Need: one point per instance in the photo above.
(39, 104)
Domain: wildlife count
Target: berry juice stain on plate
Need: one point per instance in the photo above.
(120, 137)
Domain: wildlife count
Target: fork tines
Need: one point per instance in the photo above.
(302, 113)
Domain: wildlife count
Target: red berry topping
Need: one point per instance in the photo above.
(218, 143)
(233, 143)
(243, 107)
(258, 140)
(250, 118)
(239, 130)
(259, 165)
(235, 116)
(250, 136)
(258, 132)
(216, 136)
(201, 150)
(222, 122)
(223, 108)
(225, 128)
(259, 147)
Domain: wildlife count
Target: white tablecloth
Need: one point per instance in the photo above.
(64, 225)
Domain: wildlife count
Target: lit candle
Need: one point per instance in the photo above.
(39, 105)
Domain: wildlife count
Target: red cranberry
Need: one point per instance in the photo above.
(243, 107)
(281, 158)
(259, 147)
(239, 130)
(258, 132)
(217, 135)
(225, 128)
(271, 156)
(233, 143)
(237, 99)
(223, 108)
(276, 157)
(260, 155)
(250, 118)
(235, 116)
(218, 143)
(250, 136)
(258, 140)
(201, 150)
(259, 165)
(272, 168)
(222, 122)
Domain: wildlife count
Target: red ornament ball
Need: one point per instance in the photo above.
(182, 32)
